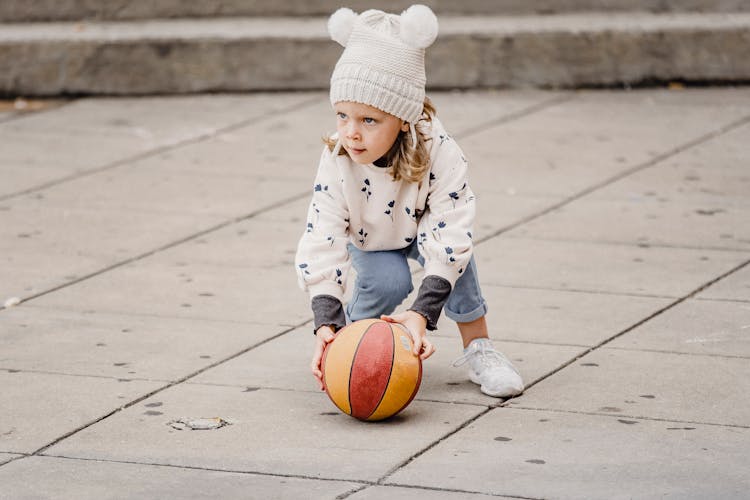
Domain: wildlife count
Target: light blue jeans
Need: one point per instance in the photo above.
(384, 281)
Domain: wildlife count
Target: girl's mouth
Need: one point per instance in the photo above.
(356, 151)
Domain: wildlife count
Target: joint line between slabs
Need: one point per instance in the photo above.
(210, 469)
(162, 248)
(352, 491)
(454, 490)
(620, 415)
(158, 150)
(427, 448)
(523, 112)
(632, 327)
(632, 170)
(716, 299)
(580, 290)
(64, 374)
(431, 488)
(13, 459)
(631, 244)
(678, 353)
(168, 386)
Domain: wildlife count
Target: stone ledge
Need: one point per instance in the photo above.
(111, 10)
(275, 53)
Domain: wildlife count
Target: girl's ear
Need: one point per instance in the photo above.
(404, 126)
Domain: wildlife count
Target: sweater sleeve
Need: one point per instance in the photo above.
(322, 261)
(445, 230)
(432, 296)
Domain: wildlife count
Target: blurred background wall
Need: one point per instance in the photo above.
(72, 47)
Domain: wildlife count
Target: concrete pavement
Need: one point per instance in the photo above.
(150, 242)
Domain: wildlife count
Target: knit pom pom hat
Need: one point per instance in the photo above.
(383, 61)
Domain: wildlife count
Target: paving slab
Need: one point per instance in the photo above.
(463, 112)
(283, 146)
(541, 454)
(47, 478)
(566, 148)
(163, 287)
(160, 119)
(645, 222)
(37, 408)
(60, 150)
(736, 286)
(556, 316)
(257, 242)
(127, 205)
(44, 246)
(152, 187)
(414, 493)
(119, 345)
(712, 174)
(440, 381)
(695, 327)
(706, 188)
(606, 268)
(18, 177)
(59, 141)
(500, 211)
(276, 432)
(685, 387)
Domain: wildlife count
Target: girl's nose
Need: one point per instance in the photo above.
(352, 132)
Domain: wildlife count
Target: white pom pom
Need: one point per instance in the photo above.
(419, 26)
(340, 25)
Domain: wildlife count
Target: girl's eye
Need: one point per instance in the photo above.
(370, 121)
(342, 116)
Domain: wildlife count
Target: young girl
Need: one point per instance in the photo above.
(391, 185)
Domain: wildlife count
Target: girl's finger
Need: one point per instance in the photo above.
(429, 349)
(418, 346)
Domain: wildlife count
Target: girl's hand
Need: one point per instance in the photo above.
(416, 325)
(323, 336)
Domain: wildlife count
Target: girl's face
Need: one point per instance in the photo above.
(366, 133)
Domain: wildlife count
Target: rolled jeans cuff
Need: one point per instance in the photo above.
(477, 313)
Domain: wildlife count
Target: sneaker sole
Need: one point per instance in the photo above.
(473, 377)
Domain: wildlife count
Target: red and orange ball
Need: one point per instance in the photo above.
(370, 371)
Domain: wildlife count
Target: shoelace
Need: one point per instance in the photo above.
(488, 356)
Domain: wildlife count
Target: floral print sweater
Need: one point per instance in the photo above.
(363, 205)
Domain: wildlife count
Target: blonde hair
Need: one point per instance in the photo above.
(405, 162)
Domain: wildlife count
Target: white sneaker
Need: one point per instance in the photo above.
(491, 370)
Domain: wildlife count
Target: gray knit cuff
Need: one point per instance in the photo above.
(328, 310)
(432, 296)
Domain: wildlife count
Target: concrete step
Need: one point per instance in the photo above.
(177, 56)
(118, 10)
